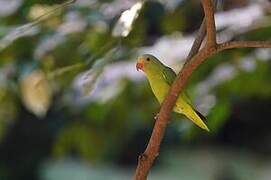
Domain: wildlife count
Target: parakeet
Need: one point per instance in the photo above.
(160, 78)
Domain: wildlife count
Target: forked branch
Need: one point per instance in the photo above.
(211, 47)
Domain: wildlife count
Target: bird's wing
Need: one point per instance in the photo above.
(169, 75)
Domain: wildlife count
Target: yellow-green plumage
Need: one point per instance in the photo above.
(160, 78)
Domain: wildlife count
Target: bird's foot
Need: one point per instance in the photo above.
(156, 116)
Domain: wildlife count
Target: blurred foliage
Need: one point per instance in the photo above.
(78, 39)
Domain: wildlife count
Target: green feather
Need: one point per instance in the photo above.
(169, 75)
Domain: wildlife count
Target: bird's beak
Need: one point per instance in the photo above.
(139, 65)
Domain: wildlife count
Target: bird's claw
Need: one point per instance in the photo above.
(156, 116)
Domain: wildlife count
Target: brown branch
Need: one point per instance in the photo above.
(146, 160)
(210, 22)
(199, 38)
(244, 44)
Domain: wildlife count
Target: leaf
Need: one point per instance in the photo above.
(36, 93)
(124, 25)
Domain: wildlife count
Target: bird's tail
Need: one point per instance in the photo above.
(196, 117)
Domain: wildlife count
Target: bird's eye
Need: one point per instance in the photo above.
(148, 59)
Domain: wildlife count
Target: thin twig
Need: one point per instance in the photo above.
(198, 41)
(244, 44)
(21, 30)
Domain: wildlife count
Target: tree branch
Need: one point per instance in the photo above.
(199, 38)
(198, 41)
(210, 22)
(146, 160)
(244, 44)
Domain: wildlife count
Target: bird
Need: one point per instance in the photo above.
(160, 78)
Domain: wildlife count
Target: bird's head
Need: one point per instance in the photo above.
(147, 62)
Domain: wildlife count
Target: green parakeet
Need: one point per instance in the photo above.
(160, 78)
